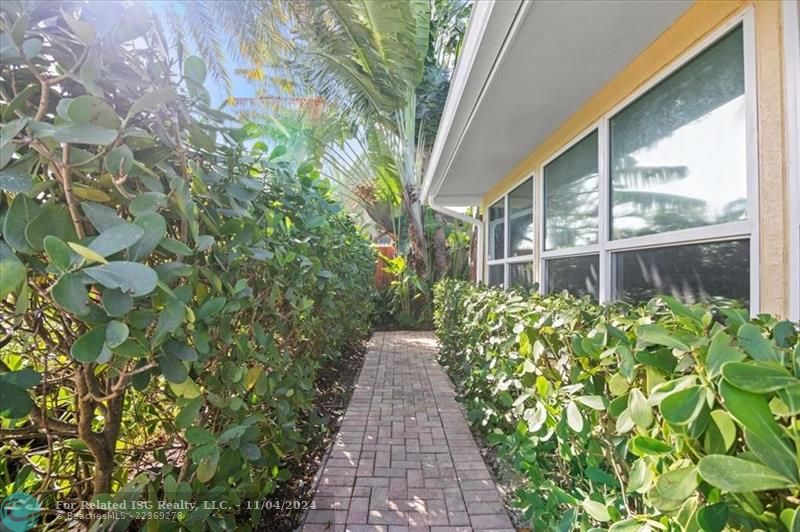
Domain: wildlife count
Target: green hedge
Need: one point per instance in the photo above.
(168, 284)
(655, 417)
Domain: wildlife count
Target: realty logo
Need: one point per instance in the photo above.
(19, 512)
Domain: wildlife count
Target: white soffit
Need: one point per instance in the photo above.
(519, 80)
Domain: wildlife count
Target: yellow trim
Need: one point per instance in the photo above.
(699, 20)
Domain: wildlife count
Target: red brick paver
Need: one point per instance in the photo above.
(404, 458)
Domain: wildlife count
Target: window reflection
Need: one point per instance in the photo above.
(520, 219)
(572, 197)
(520, 275)
(691, 273)
(497, 229)
(577, 275)
(678, 153)
(496, 274)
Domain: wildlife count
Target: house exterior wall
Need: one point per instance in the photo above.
(695, 25)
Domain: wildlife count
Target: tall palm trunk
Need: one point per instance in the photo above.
(440, 255)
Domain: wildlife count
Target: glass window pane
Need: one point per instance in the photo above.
(520, 219)
(696, 272)
(520, 275)
(572, 196)
(496, 274)
(678, 153)
(578, 275)
(497, 227)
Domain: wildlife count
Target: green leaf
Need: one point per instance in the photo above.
(180, 350)
(640, 478)
(211, 307)
(19, 102)
(737, 475)
(201, 139)
(15, 180)
(574, 417)
(721, 351)
(20, 213)
(147, 202)
(19, 28)
(175, 246)
(173, 369)
(88, 254)
(208, 466)
(116, 238)
(169, 320)
(58, 252)
(79, 133)
(679, 484)
(116, 333)
(773, 453)
(82, 30)
(71, 294)
(199, 436)
(195, 69)
(750, 410)
(155, 228)
(91, 346)
(644, 446)
(640, 411)
(595, 402)
(119, 160)
(130, 277)
(713, 517)
(655, 334)
(32, 47)
(12, 271)
(756, 345)
(720, 434)
(152, 99)
(15, 402)
(277, 151)
(597, 510)
(189, 413)
(683, 406)
(102, 217)
(758, 377)
(10, 130)
(53, 220)
(116, 303)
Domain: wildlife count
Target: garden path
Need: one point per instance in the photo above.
(404, 458)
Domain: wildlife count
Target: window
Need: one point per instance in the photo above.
(511, 238)
(497, 231)
(694, 272)
(572, 197)
(578, 275)
(657, 198)
(679, 152)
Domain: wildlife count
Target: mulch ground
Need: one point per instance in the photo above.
(335, 383)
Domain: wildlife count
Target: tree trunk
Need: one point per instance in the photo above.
(441, 258)
(416, 231)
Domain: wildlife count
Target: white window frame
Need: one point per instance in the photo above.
(507, 259)
(791, 36)
(605, 247)
(573, 251)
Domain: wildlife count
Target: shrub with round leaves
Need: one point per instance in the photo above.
(661, 416)
(167, 293)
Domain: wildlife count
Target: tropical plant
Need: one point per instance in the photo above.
(167, 294)
(655, 417)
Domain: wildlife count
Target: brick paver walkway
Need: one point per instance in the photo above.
(404, 458)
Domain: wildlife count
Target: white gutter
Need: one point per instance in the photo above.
(477, 222)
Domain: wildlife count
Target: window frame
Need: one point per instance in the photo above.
(747, 229)
(507, 259)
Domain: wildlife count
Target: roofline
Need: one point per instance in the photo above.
(463, 76)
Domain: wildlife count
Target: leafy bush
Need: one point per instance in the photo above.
(167, 294)
(657, 417)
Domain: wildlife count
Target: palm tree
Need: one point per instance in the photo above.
(381, 68)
